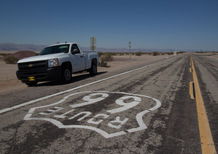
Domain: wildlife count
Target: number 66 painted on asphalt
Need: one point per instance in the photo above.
(120, 101)
(126, 102)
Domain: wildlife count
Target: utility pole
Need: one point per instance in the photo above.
(175, 52)
(130, 46)
(93, 43)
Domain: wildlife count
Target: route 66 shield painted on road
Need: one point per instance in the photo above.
(108, 113)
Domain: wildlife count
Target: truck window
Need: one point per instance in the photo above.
(55, 49)
(75, 49)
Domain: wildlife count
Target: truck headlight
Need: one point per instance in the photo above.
(53, 62)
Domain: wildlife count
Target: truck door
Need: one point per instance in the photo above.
(77, 58)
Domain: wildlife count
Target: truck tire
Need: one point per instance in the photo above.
(31, 84)
(93, 70)
(66, 75)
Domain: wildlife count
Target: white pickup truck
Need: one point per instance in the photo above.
(56, 62)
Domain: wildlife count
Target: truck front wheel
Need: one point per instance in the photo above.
(66, 75)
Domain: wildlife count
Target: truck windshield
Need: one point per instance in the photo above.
(55, 49)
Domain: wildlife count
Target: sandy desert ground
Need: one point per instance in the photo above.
(8, 80)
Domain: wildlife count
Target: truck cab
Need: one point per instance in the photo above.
(56, 62)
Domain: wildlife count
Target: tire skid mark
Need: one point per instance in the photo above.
(126, 78)
(160, 116)
(210, 67)
(181, 133)
(130, 86)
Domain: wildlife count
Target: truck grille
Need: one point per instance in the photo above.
(33, 65)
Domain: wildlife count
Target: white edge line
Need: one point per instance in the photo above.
(69, 90)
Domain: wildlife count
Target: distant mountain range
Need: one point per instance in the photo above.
(14, 47)
(37, 48)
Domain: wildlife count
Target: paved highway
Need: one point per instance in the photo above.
(143, 109)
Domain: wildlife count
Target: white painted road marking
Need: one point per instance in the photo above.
(69, 90)
(116, 121)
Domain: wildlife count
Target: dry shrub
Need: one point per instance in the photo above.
(104, 58)
(10, 59)
(107, 57)
(13, 58)
(24, 54)
(138, 53)
(169, 53)
(155, 53)
(103, 63)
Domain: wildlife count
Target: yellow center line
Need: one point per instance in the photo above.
(207, 143)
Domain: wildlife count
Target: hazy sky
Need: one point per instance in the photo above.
(182, 24)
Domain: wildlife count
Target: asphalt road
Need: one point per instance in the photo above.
(145, 110)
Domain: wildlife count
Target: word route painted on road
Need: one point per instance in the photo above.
(108, 113)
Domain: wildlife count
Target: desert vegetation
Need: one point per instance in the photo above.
(105, 57)
(10, 59)
(14, 57)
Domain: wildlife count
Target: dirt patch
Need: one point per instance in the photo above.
(8, 80)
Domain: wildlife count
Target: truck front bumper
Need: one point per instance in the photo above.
(50, 74)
